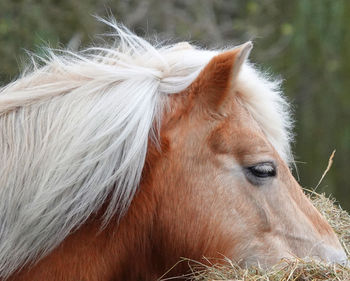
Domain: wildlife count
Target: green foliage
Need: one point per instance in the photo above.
(306, 42)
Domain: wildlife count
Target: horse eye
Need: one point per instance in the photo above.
(261, 172)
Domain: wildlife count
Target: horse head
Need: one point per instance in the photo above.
(223, 182)
(119, 161)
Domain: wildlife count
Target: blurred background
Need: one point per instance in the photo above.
(305, 43)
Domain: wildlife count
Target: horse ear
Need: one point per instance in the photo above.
(218, 77)
(243, 52)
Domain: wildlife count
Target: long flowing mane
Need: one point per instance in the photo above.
(74, 133)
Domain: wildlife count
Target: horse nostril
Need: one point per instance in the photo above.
(345, 263)
(344, 260)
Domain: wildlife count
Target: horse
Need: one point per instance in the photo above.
(117, 161)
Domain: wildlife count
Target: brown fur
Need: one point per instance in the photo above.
(184, 207)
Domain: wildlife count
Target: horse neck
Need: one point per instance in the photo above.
(120, 251)
(138, 247)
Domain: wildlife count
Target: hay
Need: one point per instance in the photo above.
(287, 269)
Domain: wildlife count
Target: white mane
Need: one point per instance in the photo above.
(75, 131)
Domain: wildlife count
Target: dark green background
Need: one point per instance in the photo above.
(305, 42)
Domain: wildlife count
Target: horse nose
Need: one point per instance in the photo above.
(334, 255)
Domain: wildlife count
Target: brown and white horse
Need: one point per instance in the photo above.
(116, 162)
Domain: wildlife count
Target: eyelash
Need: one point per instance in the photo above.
(260, 173)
